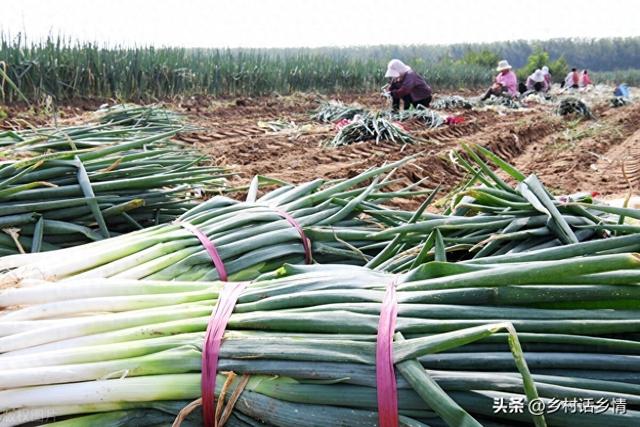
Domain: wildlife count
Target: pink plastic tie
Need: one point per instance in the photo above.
(211, 349)
(209, 247)
(385, 374)
(306, 244)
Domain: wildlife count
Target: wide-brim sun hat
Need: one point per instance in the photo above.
(396, 68)
(538, 76)
(503, 65)
(391, 74)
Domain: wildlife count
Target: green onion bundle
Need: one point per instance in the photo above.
(454, 102)
(495, 218)
(502, 101)
(300, 350)
(423, 115)
(146, 116)
(371, 127)
(73, 197)
(251, 237)
(619, 101)
(573, 106)
(333, 111)
(112, 126)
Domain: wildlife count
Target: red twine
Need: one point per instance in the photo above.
(211, 348)
(209, 247)
(341, 123)
(305, 241)
(221, 314)
(385, 374)
(454, 120)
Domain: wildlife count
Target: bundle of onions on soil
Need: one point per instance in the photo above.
(495, 218)
(251, 237)
(425, 116)
(73, 197)
(333, 111)
(453, 102)
(619, 101)
(146, 117)
(371, 127)
(110, 126)
(501, 101)
(300, 347)
(574, 106)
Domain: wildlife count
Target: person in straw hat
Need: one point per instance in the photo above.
(506, 83)
(407, 85)
(536, 82)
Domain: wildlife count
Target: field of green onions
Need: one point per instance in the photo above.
(64, 70)
(313, 304)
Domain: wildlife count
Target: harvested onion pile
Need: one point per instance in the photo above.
(454, 102)
(251, 237)
(302, 348)
(333, 111)
(371, 127)
(574, 106)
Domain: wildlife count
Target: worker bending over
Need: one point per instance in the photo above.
(407, 85)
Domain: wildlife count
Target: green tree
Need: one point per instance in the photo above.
(538, 59)
(484, 58)
(559, 68)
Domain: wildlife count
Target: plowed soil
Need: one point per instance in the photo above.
(569, 154)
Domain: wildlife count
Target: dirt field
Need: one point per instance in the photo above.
(568, 155)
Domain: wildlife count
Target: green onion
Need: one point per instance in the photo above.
(497, 222)
(375, 127)
(103, 350)
(251, 237)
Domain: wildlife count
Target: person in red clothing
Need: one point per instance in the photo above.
(407, 85)
(572, 80)
(585, 79)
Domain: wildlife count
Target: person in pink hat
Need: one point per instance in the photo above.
(407, 85)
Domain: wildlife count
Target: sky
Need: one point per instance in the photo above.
(314, 23)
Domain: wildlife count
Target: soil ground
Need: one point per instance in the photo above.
(568, 154)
